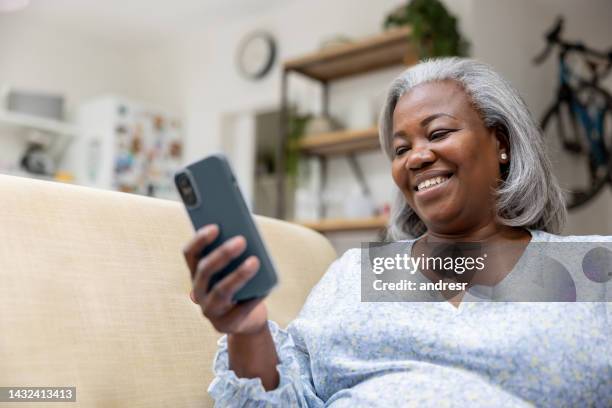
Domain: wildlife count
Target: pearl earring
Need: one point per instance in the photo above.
(504, 156)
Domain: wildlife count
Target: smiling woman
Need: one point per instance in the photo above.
(470, 167)
(460, 120)
(447, 165)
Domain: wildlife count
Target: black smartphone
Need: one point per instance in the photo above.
(211, 195)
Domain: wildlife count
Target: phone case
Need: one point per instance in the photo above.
(219, 201)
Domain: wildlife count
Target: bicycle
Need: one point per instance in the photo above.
(587, 107)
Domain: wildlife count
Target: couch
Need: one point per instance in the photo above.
(94, 294)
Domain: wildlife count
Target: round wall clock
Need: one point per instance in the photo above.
(256, 54)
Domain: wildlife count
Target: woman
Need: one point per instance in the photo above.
(469, 164)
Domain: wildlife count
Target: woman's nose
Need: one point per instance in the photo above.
(420, 157)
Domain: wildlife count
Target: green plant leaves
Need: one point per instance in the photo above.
(434, 30)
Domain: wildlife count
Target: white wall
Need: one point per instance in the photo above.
(210, 84)
(509, 34)
(40, 56)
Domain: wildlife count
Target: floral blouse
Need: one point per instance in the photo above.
(342, 352)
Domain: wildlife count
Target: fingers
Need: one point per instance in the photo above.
(219, 301)
(203, 237)
(214, 262)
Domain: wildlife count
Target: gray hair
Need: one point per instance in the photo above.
(530, 195)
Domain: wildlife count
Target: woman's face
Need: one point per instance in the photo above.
(446, 162)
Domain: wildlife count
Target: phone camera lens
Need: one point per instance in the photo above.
(186, 189)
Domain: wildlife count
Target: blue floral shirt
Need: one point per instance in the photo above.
(341, 352)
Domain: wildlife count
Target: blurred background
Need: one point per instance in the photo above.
(120, 94)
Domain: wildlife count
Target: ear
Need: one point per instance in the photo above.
(502, 143)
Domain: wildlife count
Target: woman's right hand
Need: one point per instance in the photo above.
(217, 306)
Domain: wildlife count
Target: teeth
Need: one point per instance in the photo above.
(431, 182)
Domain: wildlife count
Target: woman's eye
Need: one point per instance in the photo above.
(401, 150)
(439, 134)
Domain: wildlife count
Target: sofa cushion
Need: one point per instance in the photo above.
(94, 294)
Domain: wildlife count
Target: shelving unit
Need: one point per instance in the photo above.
(59, 133)
(36, 123)
(388, 49)
(341, 142)
(381, 51)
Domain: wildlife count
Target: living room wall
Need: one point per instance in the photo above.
(504, 34)
(39, 55)
(191, 70)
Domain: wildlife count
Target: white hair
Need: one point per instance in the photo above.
(530, 195)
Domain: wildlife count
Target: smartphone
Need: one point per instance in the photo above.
(211, 195)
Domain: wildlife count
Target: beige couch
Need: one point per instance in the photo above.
(94, 294)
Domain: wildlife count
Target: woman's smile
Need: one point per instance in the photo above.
(434, 187)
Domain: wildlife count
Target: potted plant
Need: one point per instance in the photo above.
(434, 29)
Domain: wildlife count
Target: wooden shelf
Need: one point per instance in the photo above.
(346, 224)
(53, 134)
(341, 142)
(390, 48)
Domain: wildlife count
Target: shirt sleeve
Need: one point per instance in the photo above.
(295, 386)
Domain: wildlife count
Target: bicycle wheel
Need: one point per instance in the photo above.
(577, 130)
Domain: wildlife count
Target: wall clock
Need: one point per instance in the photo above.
(256, 55)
